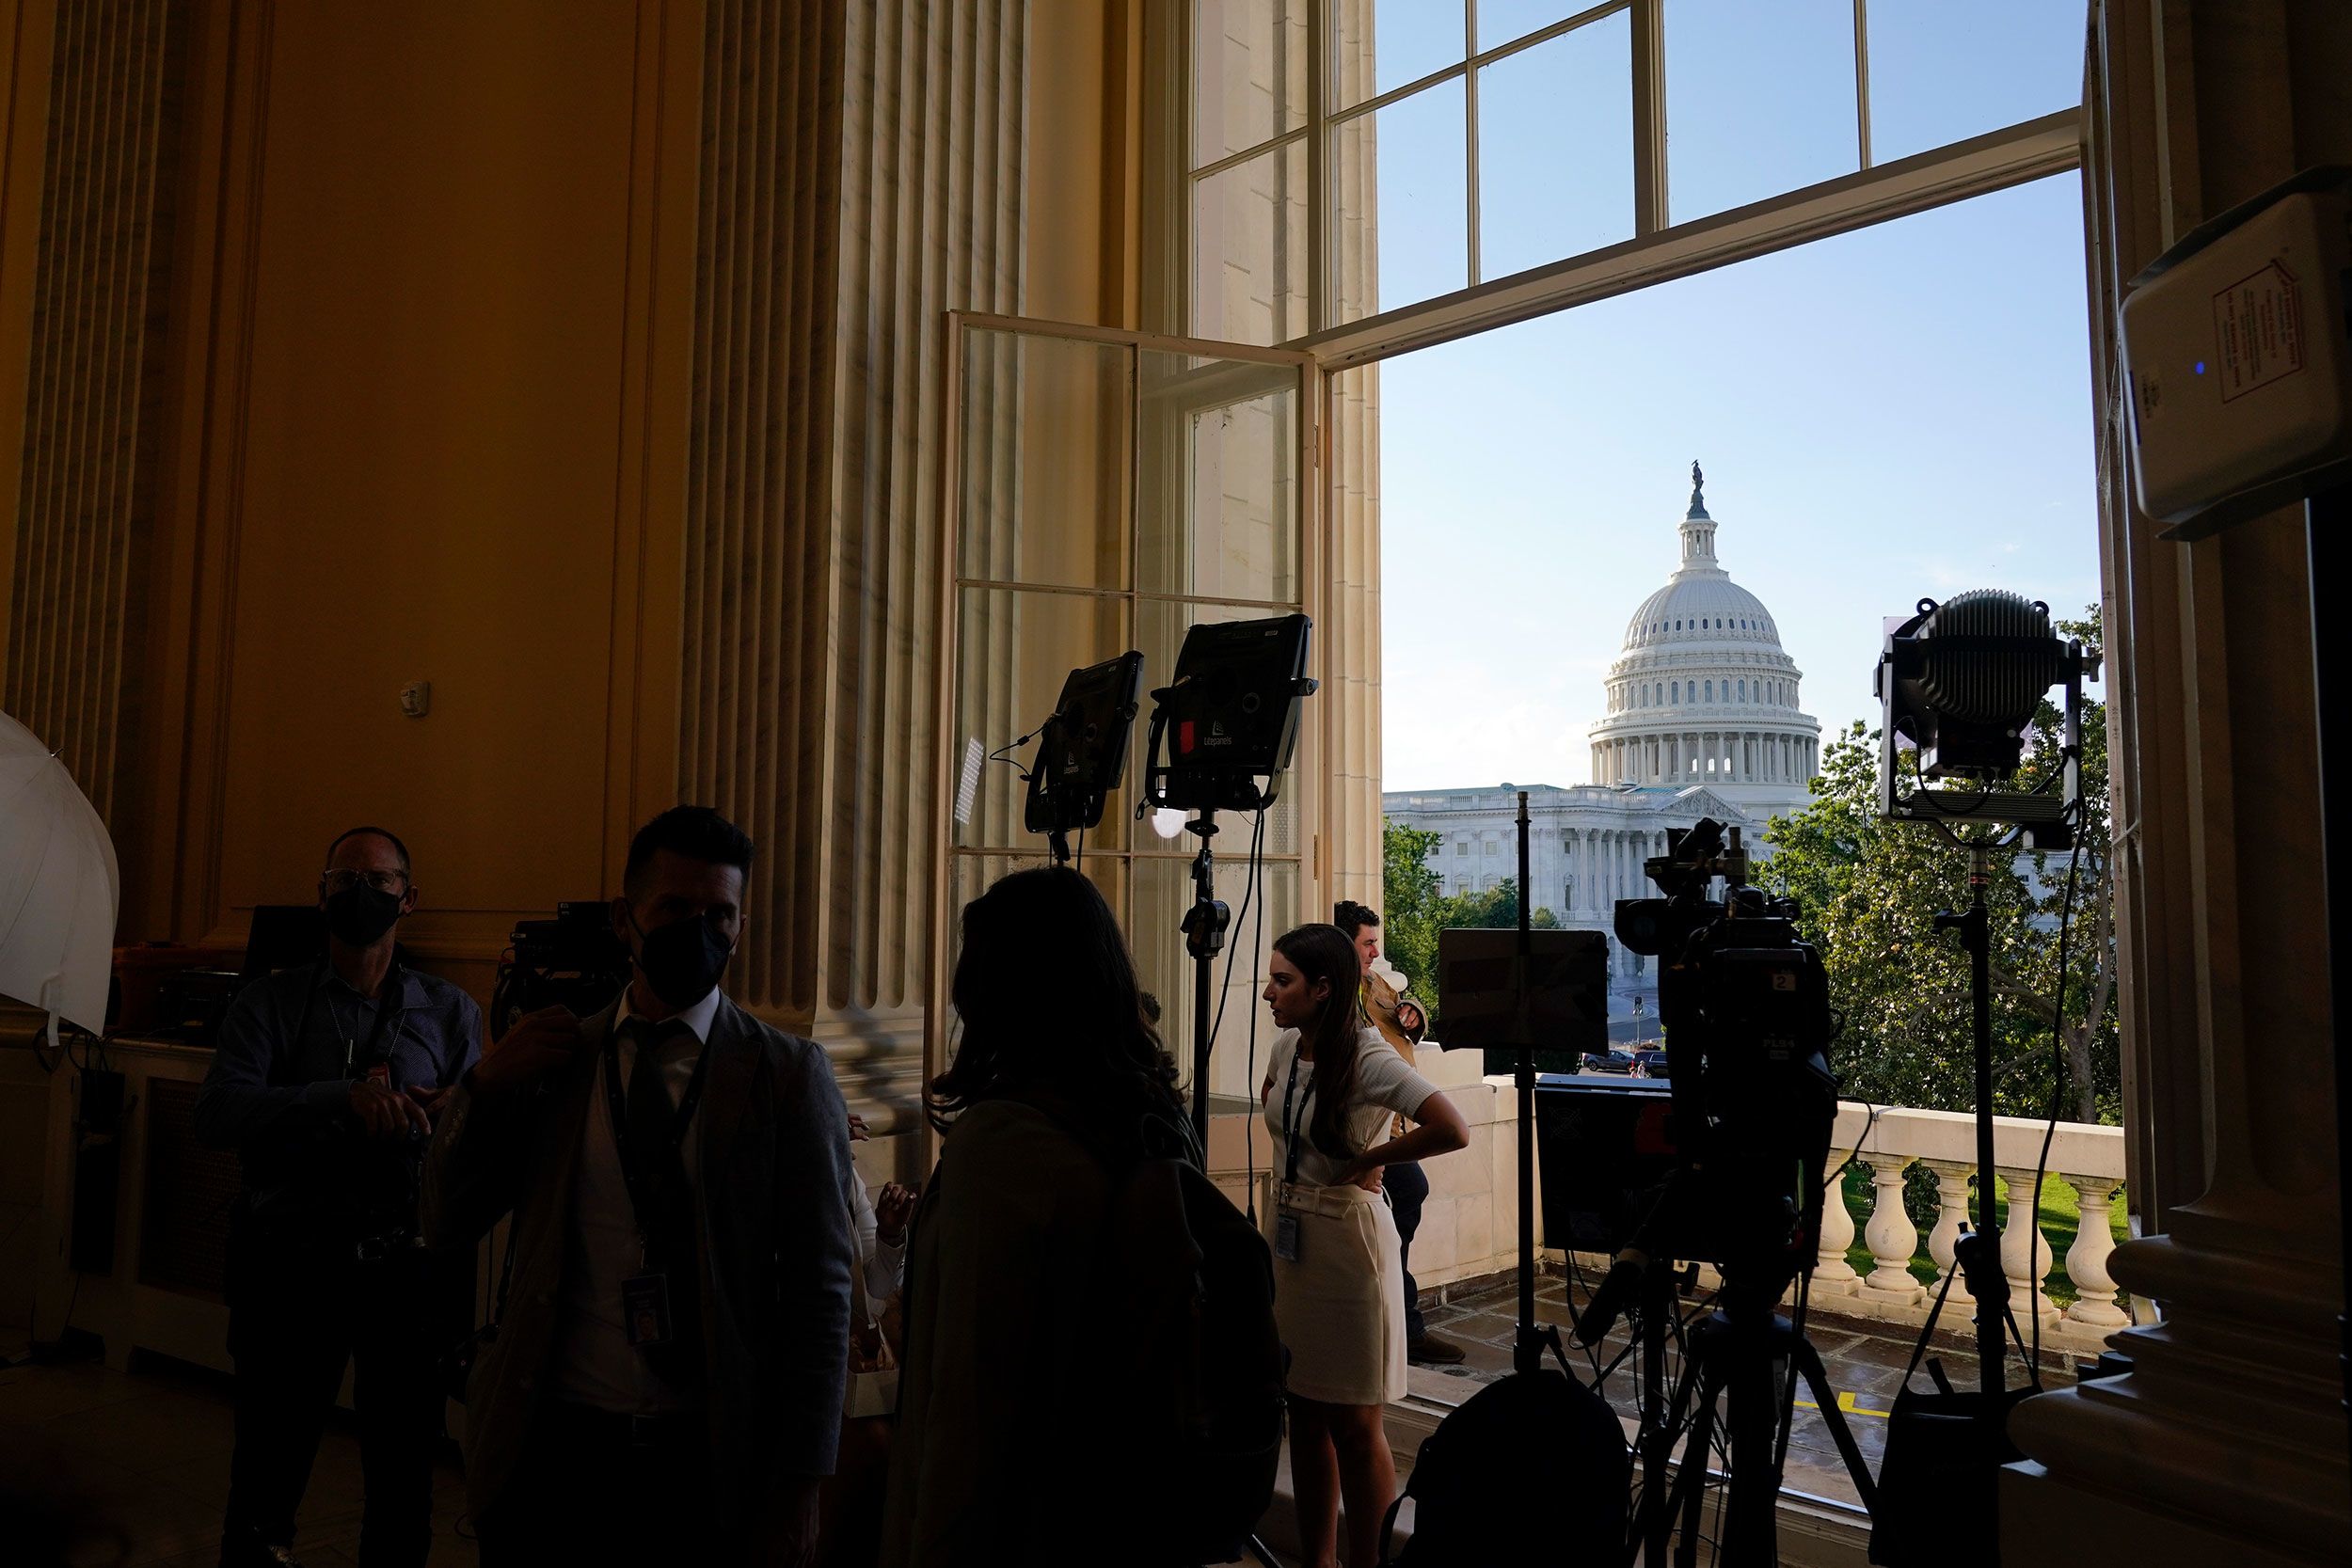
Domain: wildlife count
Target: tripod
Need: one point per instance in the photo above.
(1744, 1349)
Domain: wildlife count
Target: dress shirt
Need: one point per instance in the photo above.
(595, 1364)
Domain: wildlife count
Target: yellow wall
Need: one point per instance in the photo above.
(25, 35)
(434, 432)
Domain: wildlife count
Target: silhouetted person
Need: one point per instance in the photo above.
(1404, 1181)
(667, 1386)
(325, 1079)
(1000, 1404)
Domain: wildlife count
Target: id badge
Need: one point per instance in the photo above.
(646, 1308)
(1286, 1236)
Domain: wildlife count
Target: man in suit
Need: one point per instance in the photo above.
(667, 1382)
(1407, 1184)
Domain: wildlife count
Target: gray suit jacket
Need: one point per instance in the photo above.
(776, 1250)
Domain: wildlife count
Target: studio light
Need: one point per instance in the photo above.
(1959, 684)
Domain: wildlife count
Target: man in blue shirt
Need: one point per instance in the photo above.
(327, 1079)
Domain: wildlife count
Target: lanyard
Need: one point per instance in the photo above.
(389, 1019)
(637, 1172)
(1289, 1130)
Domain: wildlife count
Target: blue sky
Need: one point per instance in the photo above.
(1898, 412)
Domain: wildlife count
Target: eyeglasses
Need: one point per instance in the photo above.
(383, 881)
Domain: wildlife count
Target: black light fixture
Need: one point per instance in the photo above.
(1959, 684)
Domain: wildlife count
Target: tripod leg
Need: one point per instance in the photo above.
(1751, 1495)
(1690, 1488)
(1817, 1378)
(1652, 1523)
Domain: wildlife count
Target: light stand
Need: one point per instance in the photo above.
(1978, 1253)
(1205, 929)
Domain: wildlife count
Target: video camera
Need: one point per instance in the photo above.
(574, 959)
(1745, 1005)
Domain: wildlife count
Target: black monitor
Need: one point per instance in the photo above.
(1565, 1006)
(1231, 717)
(281, 937)
(1082, 750)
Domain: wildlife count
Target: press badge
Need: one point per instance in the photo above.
(1286, 1236)
(646, 1308)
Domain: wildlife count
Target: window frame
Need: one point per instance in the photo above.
(1659, 251)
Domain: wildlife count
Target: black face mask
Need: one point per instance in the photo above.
(360, 914)
(682, 960)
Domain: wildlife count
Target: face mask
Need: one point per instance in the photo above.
(360, 914)
(682, 960)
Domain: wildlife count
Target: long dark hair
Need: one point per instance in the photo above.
(1046, 993)
(1327, 953)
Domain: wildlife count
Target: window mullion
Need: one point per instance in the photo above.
(1862, 81)
(1649, 119)
(1469, 139)
(1320, 272)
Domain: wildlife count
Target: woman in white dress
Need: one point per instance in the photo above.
(1332, 1087)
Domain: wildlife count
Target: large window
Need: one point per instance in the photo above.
(1347, 159)
(1182, 462)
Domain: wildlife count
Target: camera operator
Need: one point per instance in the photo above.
(325, 1079)
(1398, 1018)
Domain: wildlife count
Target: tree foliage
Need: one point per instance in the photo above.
(1414, 908)
(1870, 889)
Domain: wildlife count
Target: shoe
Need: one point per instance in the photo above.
(1435, 1350)
(253, 1552)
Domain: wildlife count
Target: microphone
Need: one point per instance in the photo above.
(1600, 1314)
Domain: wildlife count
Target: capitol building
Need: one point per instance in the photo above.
(1703, 721)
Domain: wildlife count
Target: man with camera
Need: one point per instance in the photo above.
(1399, 1020)
(667, 1382)
(326, 1078)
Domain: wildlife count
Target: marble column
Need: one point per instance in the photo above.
(862, 173)
(85, 490)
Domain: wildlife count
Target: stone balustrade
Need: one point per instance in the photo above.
(1891, 1140)
(1468, 1229)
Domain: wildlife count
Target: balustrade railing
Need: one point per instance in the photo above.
(1889, 1141)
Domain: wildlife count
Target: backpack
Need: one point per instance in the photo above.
(1192, 1365)
(1520, 1470)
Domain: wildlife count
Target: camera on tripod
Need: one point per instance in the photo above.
(1745, 1005)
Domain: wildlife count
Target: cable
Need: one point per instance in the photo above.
(1249, 1072)
(1249, 891)
(2057, 1083)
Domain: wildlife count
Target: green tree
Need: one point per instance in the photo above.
(1869, 891)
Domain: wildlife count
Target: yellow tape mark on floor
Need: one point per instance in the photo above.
(1845, 1403)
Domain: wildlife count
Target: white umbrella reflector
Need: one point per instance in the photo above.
(58, 886)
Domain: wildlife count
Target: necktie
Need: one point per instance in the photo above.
(657, 1167)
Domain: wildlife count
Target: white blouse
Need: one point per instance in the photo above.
(1386, 1085)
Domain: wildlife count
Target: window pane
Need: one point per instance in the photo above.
(1219, 496)
(1251, 269)
(1379, 45)
(1046, 438)
(1015, 651)
(1163, 892)
(1248, 74)
(1501, 21)
(1400, 219)
(1941, 72)
(973, 874)
(1759, 100)
(1555, 147)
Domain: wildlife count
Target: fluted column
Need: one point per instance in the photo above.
(862, 173)
(84, 492)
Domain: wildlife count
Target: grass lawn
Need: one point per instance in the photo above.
(2062, 1217)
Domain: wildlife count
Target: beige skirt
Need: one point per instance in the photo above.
(1341, 1305)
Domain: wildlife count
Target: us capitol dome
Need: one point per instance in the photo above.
(1703, 692)
(1702, 721)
